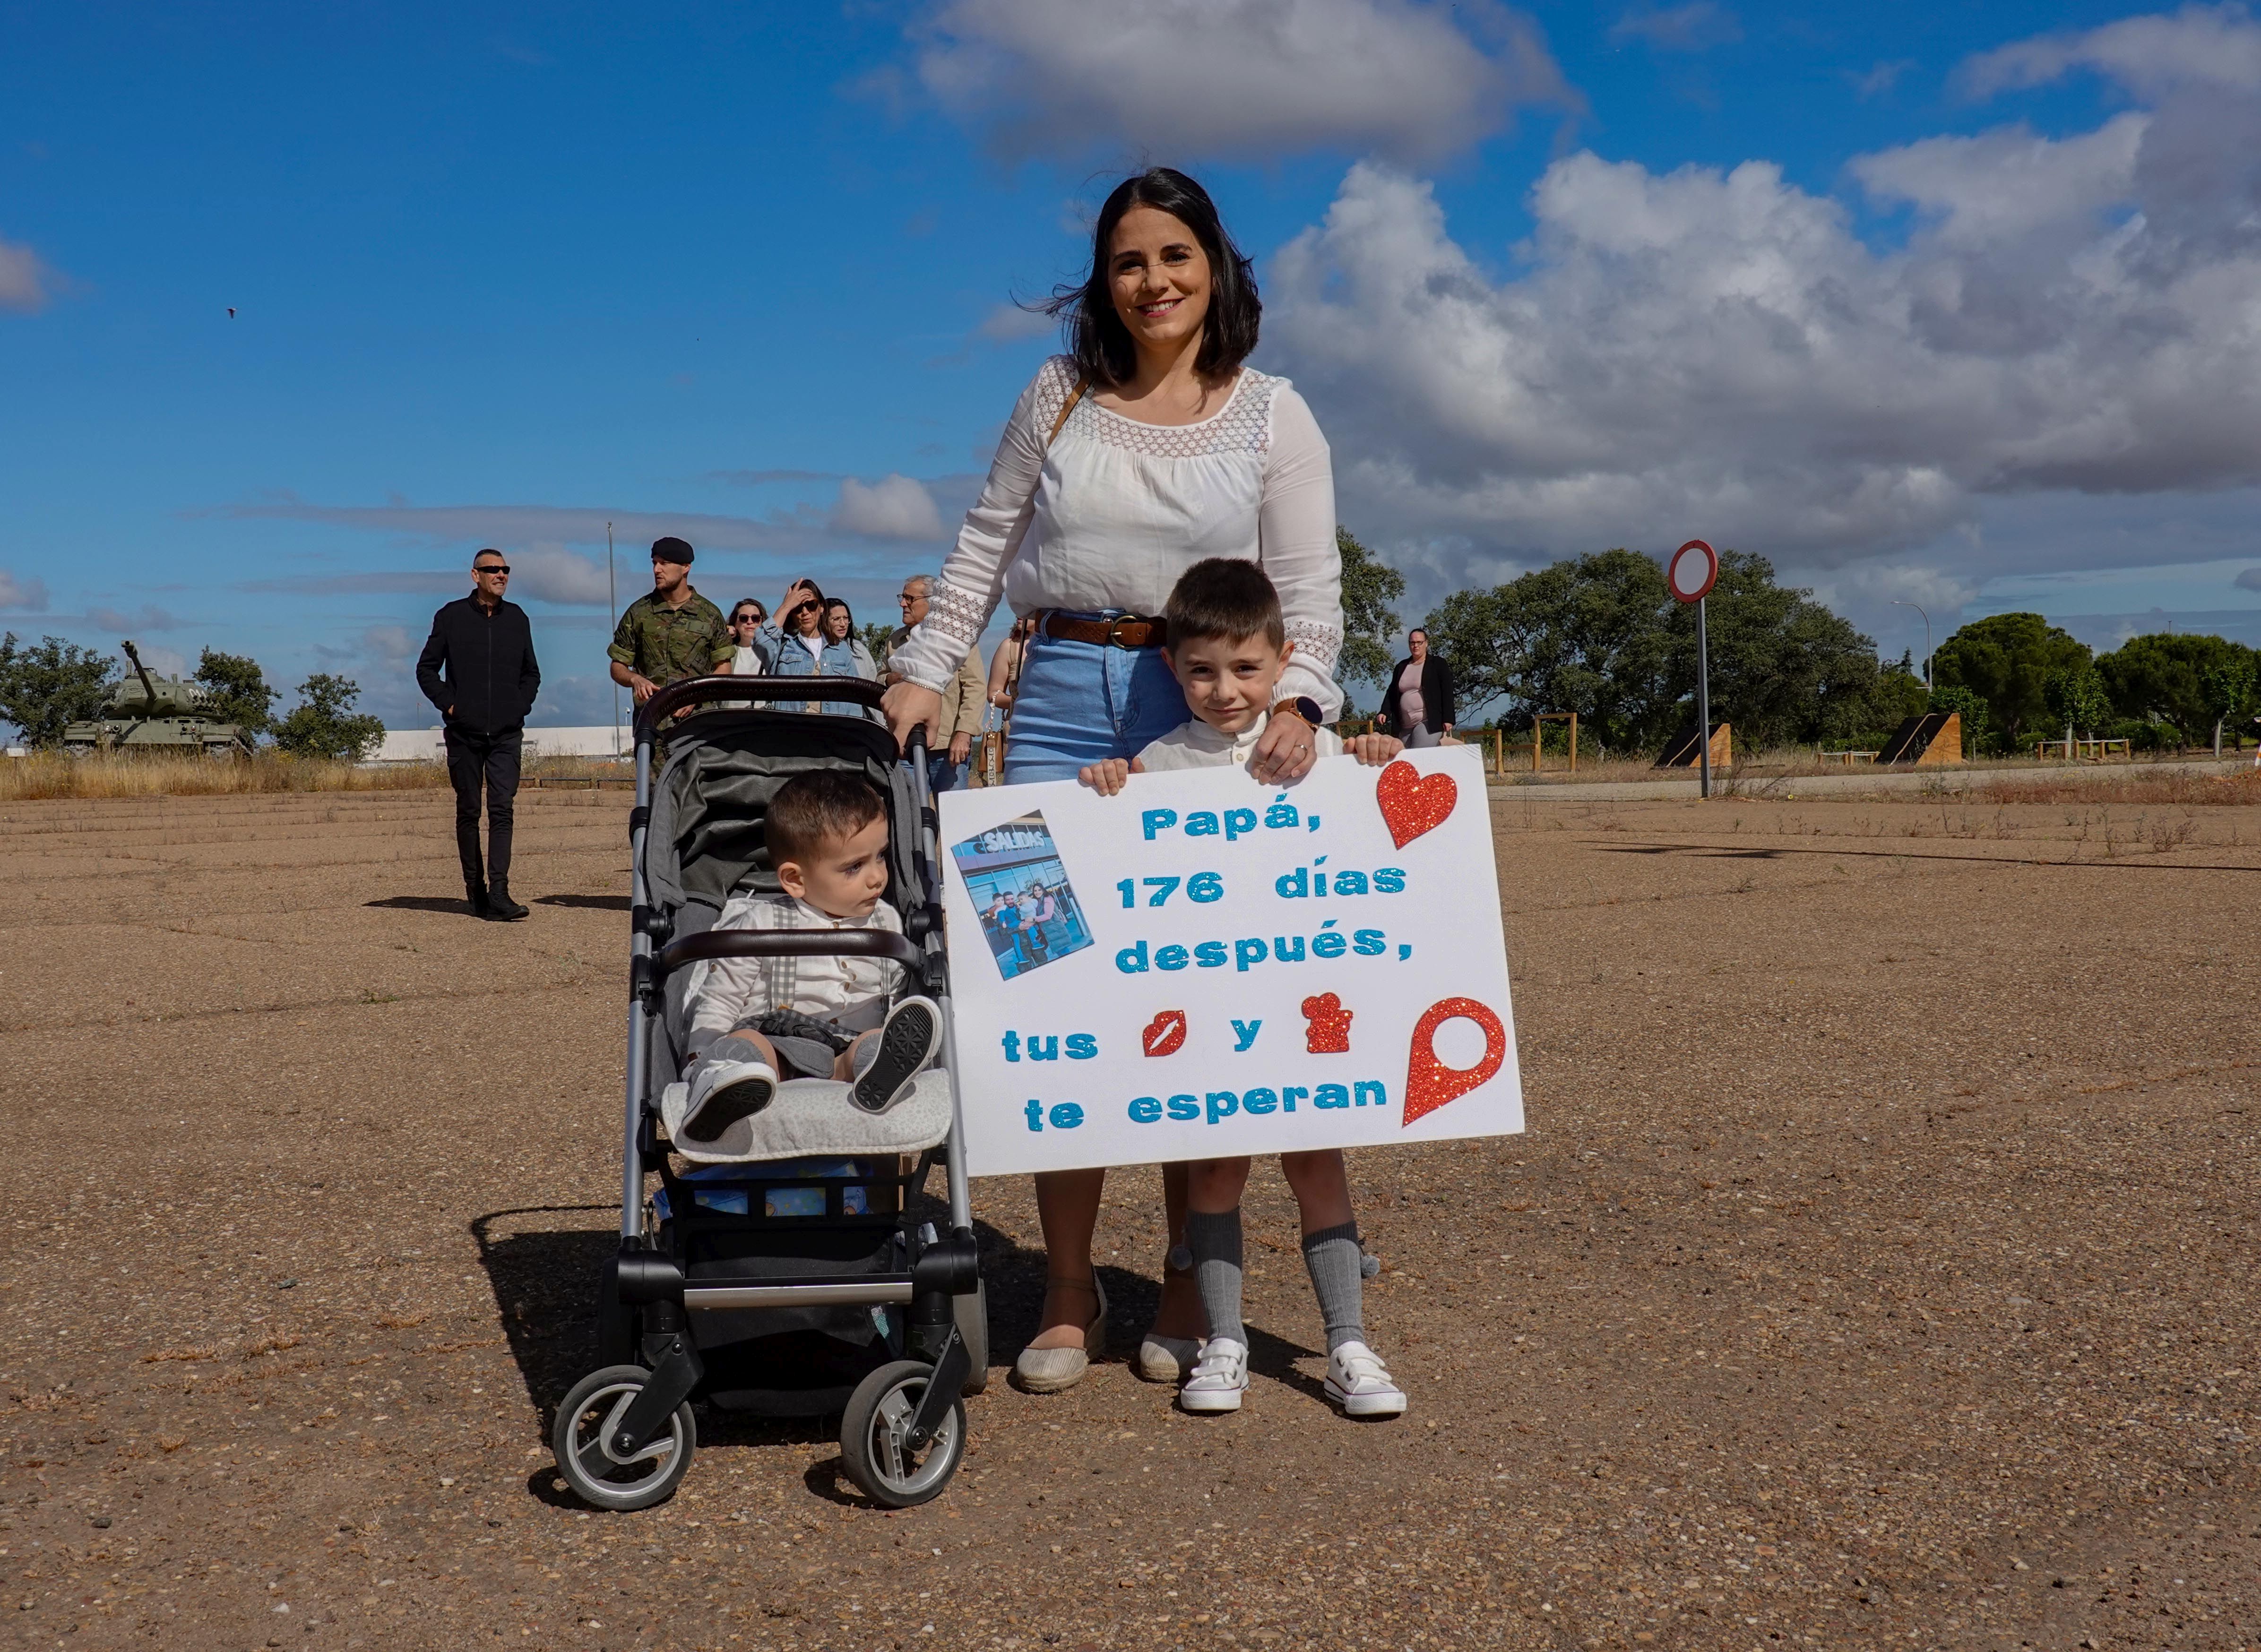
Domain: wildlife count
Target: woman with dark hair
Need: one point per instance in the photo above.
(746, 620)
(844, 654)
(793, 639)
(1146, 449)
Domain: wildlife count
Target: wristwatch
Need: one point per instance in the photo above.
(1303, 706)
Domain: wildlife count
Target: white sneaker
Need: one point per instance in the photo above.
(1360, 1383)
(1219, 1379)
(722, 1093)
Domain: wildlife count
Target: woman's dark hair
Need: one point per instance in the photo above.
(840, 603)
(1097, 338)
(761, 613)
(815, 598)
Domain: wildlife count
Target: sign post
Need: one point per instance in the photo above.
(1691, 572)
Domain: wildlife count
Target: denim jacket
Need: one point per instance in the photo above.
(789, 656)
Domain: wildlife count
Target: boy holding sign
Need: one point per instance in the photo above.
(1228, 643)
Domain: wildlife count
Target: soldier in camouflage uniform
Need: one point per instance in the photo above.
(670, 633)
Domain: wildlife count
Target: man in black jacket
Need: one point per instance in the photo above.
(486, 648)
(1418, 706)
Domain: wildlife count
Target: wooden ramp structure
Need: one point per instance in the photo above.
(1680, 752)
(1935, 737)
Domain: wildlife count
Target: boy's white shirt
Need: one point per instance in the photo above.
(1194, 745)
(727, 992)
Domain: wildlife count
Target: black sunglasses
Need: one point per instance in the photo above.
(491, 567)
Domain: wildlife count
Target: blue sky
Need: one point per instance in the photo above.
(1950, 305)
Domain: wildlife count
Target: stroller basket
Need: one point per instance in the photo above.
(802, 1258)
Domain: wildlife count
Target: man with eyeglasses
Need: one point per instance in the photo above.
(964, 703)
(478, 668)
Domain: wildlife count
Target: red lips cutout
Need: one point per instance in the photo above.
(1412, 803)
(1165, 1033)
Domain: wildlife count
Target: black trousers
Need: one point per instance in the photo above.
(488, 761)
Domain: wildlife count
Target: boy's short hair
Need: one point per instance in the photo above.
(1225, 597)
(811, 809)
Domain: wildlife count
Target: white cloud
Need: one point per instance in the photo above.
(551, 573)
(893, 508)
(20, 595)
(1718, 353)
(2153, 56)
(1683, 28)
(26, 279)
(1409, 78)
(151, 618)
(388, 644)
(1008, 323)
(160, 660)
(471, 525)
(1878, 81)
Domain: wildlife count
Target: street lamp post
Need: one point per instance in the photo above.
(1919, 607)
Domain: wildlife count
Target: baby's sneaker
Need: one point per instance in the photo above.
(1360, 1383)
(722, 1092)
(913, 1033)
(1220, 1378)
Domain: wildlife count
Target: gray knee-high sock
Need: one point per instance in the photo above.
(1214, 1241)
(1334, 1256)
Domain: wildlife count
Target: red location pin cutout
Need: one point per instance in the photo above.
(1429, 1082)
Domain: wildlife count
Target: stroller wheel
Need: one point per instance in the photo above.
(879, 1459)
(590, 1412)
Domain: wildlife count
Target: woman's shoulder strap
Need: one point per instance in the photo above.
(1059, 385)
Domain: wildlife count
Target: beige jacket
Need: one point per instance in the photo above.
(965, 702)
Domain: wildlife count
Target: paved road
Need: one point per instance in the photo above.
(1860, 782)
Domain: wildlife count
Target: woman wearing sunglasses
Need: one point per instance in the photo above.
(803, 643)
(747, 619)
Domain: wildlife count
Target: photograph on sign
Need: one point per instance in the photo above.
(1256, 969)
(1028, 910)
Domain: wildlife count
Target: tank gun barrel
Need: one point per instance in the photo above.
(142, 671)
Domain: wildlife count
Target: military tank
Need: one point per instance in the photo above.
(158, 713)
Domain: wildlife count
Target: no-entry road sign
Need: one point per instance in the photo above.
(1692, 570)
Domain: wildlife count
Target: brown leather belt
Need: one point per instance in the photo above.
(1129, 631)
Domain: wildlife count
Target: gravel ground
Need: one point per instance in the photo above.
(1877, 1269)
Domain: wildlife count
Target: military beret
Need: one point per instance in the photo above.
(672, 549)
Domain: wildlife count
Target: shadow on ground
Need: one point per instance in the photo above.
(544, 1281)
(454, 905)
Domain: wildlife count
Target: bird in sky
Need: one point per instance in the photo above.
(231, 312)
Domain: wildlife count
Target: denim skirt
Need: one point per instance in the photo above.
(1079, 702)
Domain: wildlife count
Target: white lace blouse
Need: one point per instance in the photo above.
(1115, 510)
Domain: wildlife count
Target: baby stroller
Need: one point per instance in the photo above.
(797, 1280)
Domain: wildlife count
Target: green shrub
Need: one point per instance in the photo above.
(324, 724)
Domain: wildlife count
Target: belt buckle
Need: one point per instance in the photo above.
(1114, 641)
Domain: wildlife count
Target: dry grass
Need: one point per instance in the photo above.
(2140, 783)
(52, 774)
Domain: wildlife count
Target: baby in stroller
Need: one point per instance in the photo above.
(758, 1021)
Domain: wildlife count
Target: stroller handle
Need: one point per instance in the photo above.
(698, 690)
(789, 943)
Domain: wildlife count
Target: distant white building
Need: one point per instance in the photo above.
(428, 745)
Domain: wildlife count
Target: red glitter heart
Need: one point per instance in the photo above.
(1429, 1082)
(1412, 803)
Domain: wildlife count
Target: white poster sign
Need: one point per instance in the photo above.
(1201, 966)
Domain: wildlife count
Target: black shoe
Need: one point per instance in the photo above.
(477, 894)
(906, 1043)
(500, 907)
